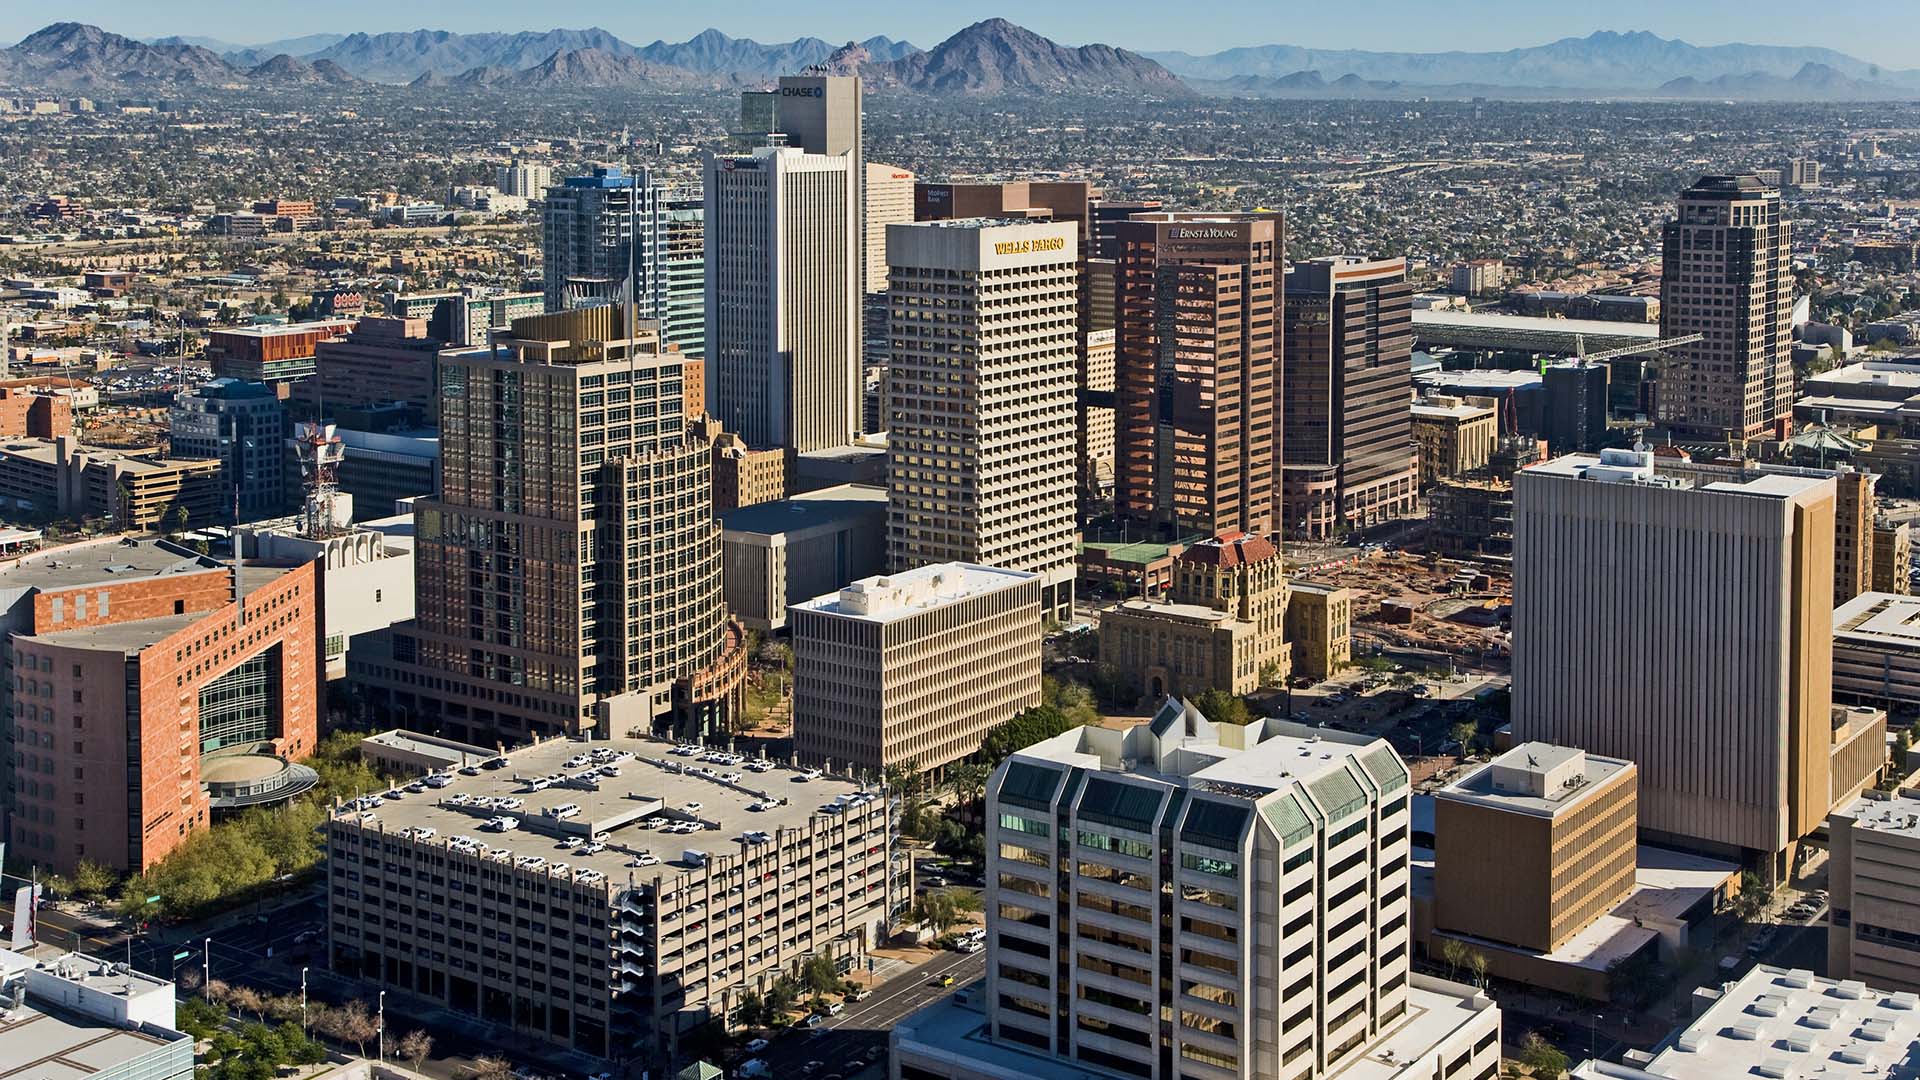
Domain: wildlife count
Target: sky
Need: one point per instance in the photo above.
(1881, 31)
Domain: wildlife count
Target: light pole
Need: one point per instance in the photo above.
(383, 1027)
(303, 1000)
(1593, 1033)
(206, 964)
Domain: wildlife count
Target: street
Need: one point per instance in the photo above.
(845, 1045)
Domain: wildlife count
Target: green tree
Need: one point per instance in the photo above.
(967, 780)
(1753, 898)
(1031, 726)
(1466, 732)
(1477, 963)
(818, 974)
(1541, 1056)
(1270, 673)
(1222, 706)
(965, 901)
(1454, 952)
(935, 912)
(92, 880)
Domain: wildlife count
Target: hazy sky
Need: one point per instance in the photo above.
(1884, 31)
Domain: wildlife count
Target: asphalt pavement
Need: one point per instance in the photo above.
(856, 1041)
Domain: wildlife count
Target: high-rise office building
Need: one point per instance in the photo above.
(383, 361)
(1726, 273)
(600, 241)
(683, 274)
(1034, 200)
(1197, 371)
(245, 426)
(1183, 899)
(821, 114)
(1730, 727)
(1347, 444)
(888, 200)
(1103, 214)
(980, 445)
(783, 297)
(568, 573)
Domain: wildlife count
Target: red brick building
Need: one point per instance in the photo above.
(27, 411)
(144, 698)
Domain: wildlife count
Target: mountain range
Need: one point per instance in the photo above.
(990, 57)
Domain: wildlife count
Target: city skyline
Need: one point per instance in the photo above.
(1870, 30)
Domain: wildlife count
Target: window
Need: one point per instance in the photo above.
(1206, 864)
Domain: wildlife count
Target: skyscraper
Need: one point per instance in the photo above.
(596, 231)
(783, 297)
(568, 574)
(1726, 273)
(683, 262)
(1197, 371)
(888, 197)
(1728, 723)
(1347, 435)
(980, 449)
(245, 426)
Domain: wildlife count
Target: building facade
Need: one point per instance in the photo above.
(914, 668)
(1197, 371)
(1277, 948)
(781, 553)
(275, 355)
(576, 509)
(1535, 846)
(888, 200)
(381, 361)
(1223, 625)
(1347, 439)
(1873, 875)
(150, 687)
(1727, 273)
(1732, 733)
(1876, 649)
(245, 426)
(1454, 437)
(600, 241)
(783, 300)
(1893, 558)
(1319, 628)
(980, 446)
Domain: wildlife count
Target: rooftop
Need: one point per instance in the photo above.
(887, 597)
(53, 1044)
(92, 562)
(319, 326)
(1890, 814)
(955, 1026)
(1870, 373)
(1536, 778)
(1458, 410)
(652, 787)
(1473, 320)
(1784, 1024)
(809, 509)
(1878, 619)
(1231, 549)
(136, 635)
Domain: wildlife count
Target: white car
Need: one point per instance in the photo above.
(594, 848)
(730, 777)
(811, 774)
(565, 810)
(692, 807)
(756, 1045)
(645, 859)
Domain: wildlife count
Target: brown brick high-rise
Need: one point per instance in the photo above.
(1197, 370)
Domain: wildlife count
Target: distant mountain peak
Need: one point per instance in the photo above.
(997, 56)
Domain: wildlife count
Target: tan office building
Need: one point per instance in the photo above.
(913, 668)
(1873, 882)
(1319, 628)
(1535, 846)
(1454, 437)
(980, 445)
(1893, 558)
(1688, 630)
(1726, 273)
(1224, 621)
(1853, 535)
(889, 201)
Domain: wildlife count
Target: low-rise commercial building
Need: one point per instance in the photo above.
(136, 490)
(1319, 627)
(140, 658)
(1454, 437)
(915, 667)
(781, 553)
(1873, 882)
(381, 468)
(72, 1015)
(1893, 558)
(380, 361)
(1535, 846)
(1223, 625)
(674, 893)
(277, 355)
(1777, 1022)
(1279, 944)
(1876, 649)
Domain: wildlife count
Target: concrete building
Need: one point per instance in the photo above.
(526, 179)
(781, 553)
(1535, 846)
(1319, 627)
(600, 241)
(381, 468)
(1893, 558)
(980, 441)
(381, 361)
(783, 296)
(1453, 437)
(135, 490)
(1478, 277)
(1347, 439)
(1732, 733)
(245, 427)
(1197, 371)
(914, 668)
(1030, 200)
(1783, 1022)
(70, 1014)
(1873, 927)
(1223, 625)
(667, 930)
(29, 411)
(131, 658)
(1095, 433)
(1726, 272)
(364, 578)
(461, 318)
(575, 505)
(1853, 534)
(276, 355)
(1876, 649)
(887, 200)
(742, 476)
(1280, 949)
(1576, 397)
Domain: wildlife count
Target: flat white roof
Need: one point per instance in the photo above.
(1472, 320)
(1895, 816)
(884, 598)
(1878, 619)
(1791, 1024)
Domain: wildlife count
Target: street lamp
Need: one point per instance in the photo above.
(206, 963)
(303, 1000)
(1593, 1033)
(383, 1027)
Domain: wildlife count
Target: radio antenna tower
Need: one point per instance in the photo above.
(320, 450)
